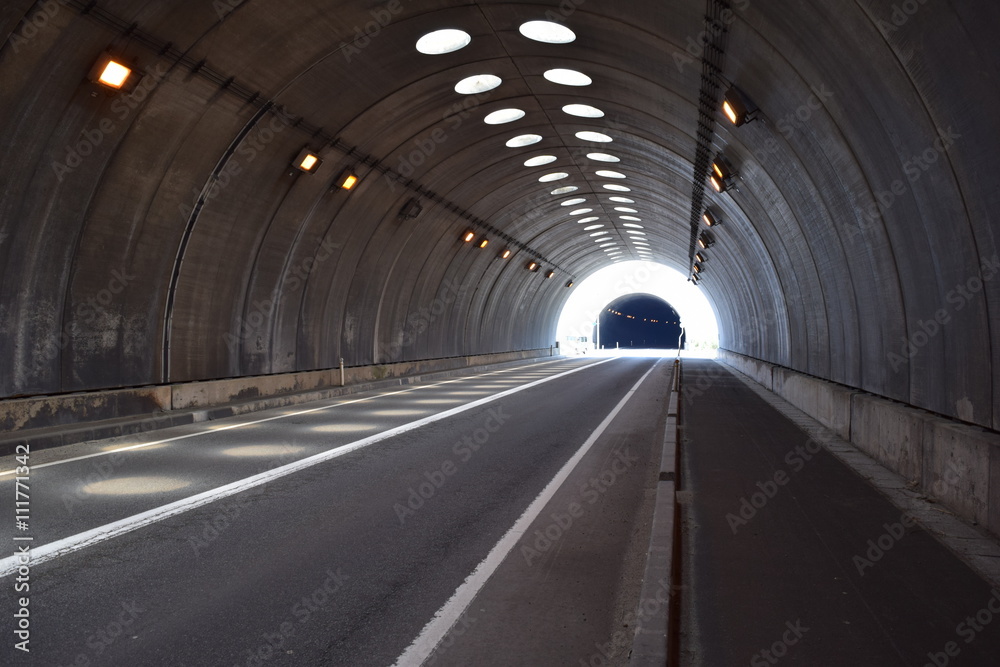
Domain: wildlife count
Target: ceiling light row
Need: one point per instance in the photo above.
(450, 40)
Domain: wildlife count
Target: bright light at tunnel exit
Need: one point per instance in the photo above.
(593, 295)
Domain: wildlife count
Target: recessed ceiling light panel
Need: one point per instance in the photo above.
(443, 41)
(547, 32)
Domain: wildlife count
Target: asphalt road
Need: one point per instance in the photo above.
(497, 519)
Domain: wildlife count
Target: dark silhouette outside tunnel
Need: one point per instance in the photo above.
(641, 321)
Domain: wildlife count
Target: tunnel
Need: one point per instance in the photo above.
(641, 321)
(164, 235)
(214, 210)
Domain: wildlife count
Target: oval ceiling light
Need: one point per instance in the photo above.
(632, 225)
(590, 228)
(548, 32)
(443, 41)
(604, 173)
(586, 220)
(634, 233)
(573, 202)
(625, 209)
(605, 233)
(581, 211)
(554, 176)
(502, 116)
(595, 137)
(622, 200)
(523, 140)
(540, 160)
(630, 218)
(616, 188)
(567, 77)
(602, 157)
(583, 111)
(566, 189)
(478, 83)
(607, 245)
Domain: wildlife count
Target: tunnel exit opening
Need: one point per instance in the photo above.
(609, 288)
(639, 321)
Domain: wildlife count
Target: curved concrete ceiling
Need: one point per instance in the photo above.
(164, 236)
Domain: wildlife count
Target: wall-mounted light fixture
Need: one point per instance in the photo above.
(112, 73)
(468, 235)
(569, 284)
(505, 253)
(706, 240)
(482, 242)
(738, 108)
(701, 257)
(722, 176)
(550, 273)
(531, 266)
(307, 161)
(697, 268)
(347, 180)
(411, 209)
(710, 219)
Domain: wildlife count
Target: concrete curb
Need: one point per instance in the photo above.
(655, 640)
(58, 436)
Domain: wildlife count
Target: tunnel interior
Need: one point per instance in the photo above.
(216, 208)
(641, 321)
(193, 224)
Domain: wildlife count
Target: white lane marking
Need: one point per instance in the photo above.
(448, 615)
(95, 535)
(220, 429)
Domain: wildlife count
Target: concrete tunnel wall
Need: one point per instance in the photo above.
(210, 257)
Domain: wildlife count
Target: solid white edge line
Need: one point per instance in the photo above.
(93, 536)
(229, 427)
(436, 629)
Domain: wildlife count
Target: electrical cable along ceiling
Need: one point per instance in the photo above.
(194, 225)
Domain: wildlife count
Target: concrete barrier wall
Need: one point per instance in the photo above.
(891, 433)
(954, 463)
(826, 402)
(44, 411)
(222, 392)
(258, 392)
(759, 371)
